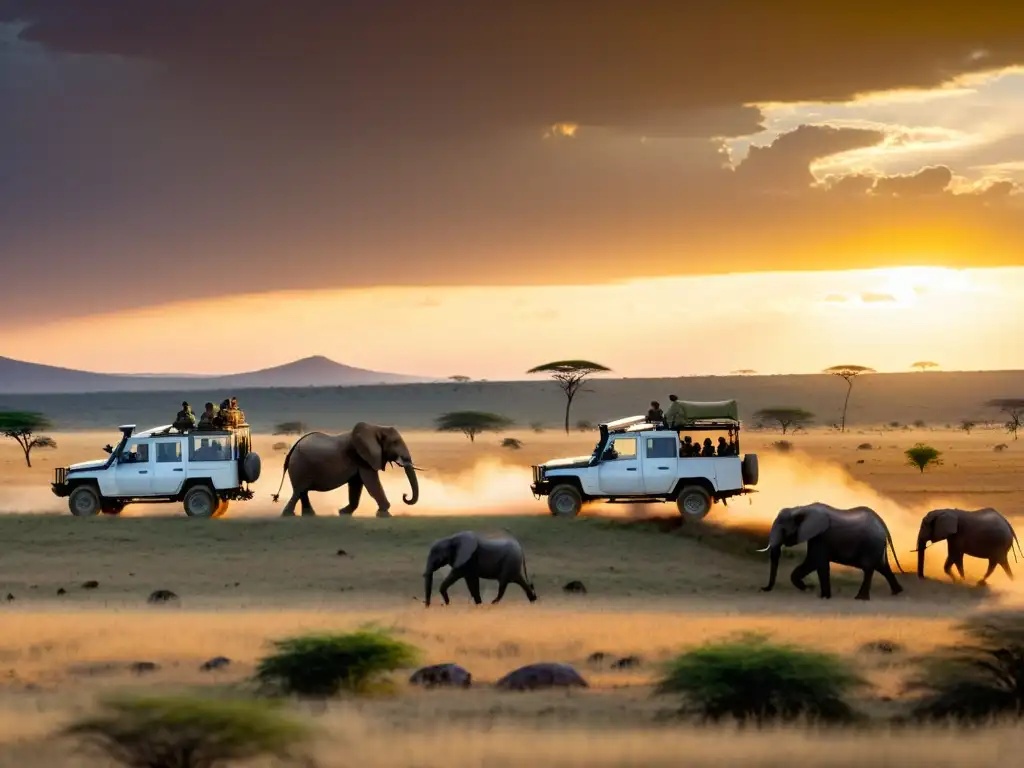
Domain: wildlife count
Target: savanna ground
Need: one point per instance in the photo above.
(654, 588)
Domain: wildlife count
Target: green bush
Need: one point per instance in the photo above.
(188, 732)
(752, 679)
(323, 665)
(980, 680)
(923, 456)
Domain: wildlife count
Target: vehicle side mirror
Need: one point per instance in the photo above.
(610, 455)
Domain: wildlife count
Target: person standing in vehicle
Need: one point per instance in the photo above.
(676, 415)
(185, 419)
(207, 420)
(655, 415)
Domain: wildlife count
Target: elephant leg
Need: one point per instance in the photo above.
(289, 508)
(307, 507)
(886, 570)
(502, 584)
(355, 490)
(800, 573)
(864, 593)
(960, 566)
(1005, 565)
(473, 582)
(948, 566)
(370, 479)
(992, 563)
(452, 577)
(530, 594)
(824, 579)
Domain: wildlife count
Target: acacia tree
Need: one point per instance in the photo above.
(924, 365)
(1013, 407)
(923, 456)
(459, 379)
(569, 375)
(785, 417)
(967, 425)
(848, 373)
(744, 372)
(22, 426)
(471, 423)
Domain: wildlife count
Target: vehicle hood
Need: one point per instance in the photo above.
(84, 465)
(570, 463)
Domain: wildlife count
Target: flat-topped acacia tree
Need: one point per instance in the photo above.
(785, 417)
(924, 365)
(471, 423)
(22, 426)
(570, 375)
(848, 373)
(1013, 407)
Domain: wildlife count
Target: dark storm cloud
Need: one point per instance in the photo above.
(207, 148)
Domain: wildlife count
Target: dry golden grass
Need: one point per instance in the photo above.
(252, 577)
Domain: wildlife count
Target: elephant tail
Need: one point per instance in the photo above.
(1017, 543)
(888, 537)
(284, 470)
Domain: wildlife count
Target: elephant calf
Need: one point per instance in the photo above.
(980, 533)
(472, 558)
(853, 537)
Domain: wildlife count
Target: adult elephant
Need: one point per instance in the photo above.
(320, 462)
(854, 537)
(980, 533)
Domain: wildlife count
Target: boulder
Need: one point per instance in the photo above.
(442, 675)
(542, 675)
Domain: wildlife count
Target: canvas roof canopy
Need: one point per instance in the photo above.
(721, 410)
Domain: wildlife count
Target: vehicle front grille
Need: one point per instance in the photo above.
(538, 474)
(60, 475)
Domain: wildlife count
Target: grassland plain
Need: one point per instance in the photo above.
(654, 587)
(937, 398)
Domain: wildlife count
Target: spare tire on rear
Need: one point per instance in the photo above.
(749, 469)
(249, 468)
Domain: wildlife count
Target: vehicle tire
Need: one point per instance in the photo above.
(199, 501)
(565, 501)
(113, 508)
(84, 501)
(749, 469)
(249, 468)
(222, 508)
(694, 502)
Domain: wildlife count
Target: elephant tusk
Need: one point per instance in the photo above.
(765, 549)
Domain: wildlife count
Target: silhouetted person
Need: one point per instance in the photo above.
(723, 447)
(675, 416)
(686, 449)
(655, 415)
(185, 420)
(709, 449)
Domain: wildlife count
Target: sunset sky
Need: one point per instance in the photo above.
(459, 187)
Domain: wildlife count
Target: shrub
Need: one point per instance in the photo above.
(752, 679)
(782, 446)
(865, 447)
(511, 442)
(982, 679)
(584, 426)
(923, 456)
(281, 446)
(322, 665)
(537, 426)
(188, 732)
(290, 428)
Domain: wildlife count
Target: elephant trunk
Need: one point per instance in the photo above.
(414, 484)
(922, 543)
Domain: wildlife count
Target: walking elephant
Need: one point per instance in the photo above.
(472, 557)
(319, 462)
(852, 537)
(980, 533)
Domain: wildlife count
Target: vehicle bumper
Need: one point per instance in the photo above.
(60, 489)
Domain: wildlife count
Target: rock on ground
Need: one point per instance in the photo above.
(543, 675)
(442, 675)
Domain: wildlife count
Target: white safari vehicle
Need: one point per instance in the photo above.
(639, 462)
(204, 470)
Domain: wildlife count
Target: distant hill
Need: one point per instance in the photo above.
(18, 377)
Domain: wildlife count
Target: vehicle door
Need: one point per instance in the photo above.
(133, 473)
(619, 473)
(660, 463)
(211, 456)
(169, 469)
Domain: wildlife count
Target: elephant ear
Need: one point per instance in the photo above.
(946, 524)
(366, 441)
(465, 545)
(811, 522)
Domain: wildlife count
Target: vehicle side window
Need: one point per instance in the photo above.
(217, 448)
(661, 448)
(621, 448)
(136, 453)
(168, 452)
